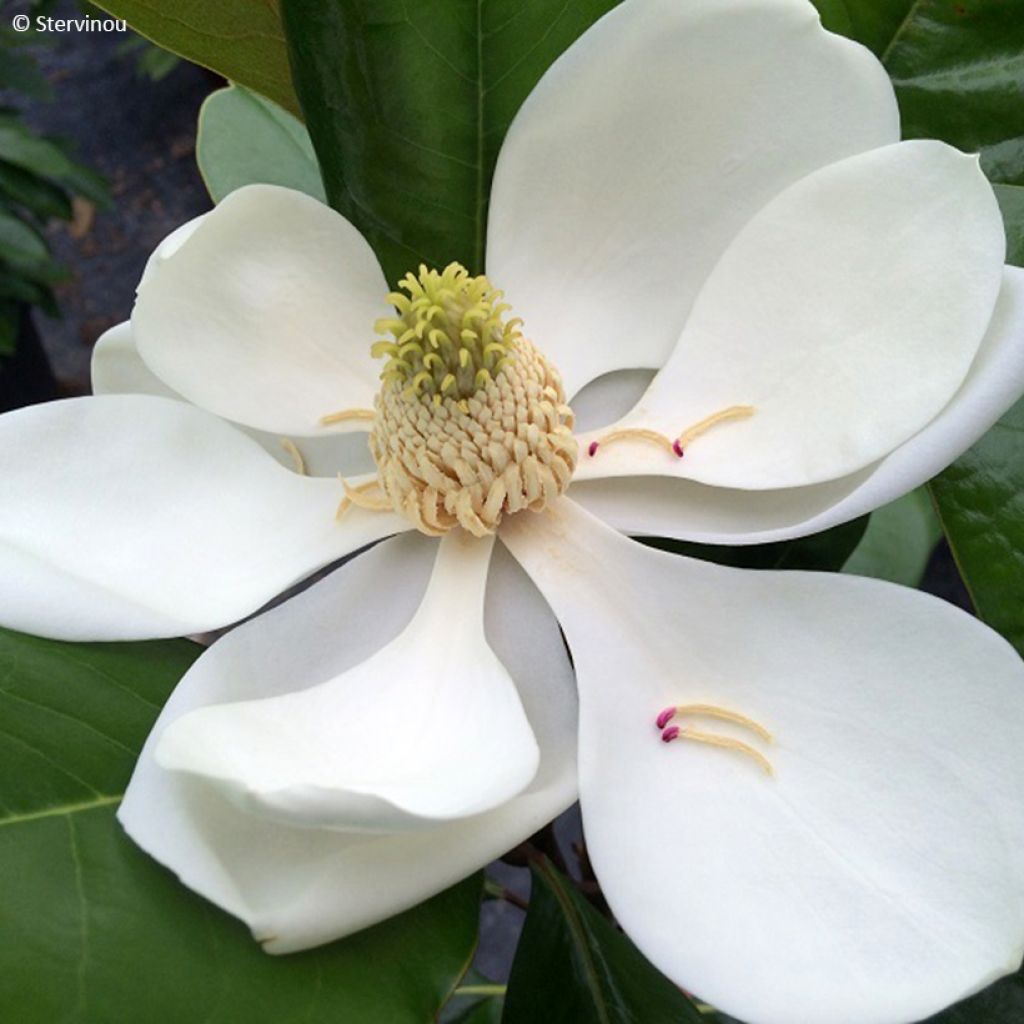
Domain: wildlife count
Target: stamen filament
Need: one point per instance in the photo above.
(713, 711)
(726, 743)
(293, 450)
(357, 496)
(346, 414)
(635, 432)
(733, 412)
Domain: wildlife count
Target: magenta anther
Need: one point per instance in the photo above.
(665, 717)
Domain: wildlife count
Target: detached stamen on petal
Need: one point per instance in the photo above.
(733, 412)
(357, 495)
(679, 445)
(344, 415)
(296, 455)
(675, 732)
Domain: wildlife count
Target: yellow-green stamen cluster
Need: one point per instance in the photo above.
(448, 339)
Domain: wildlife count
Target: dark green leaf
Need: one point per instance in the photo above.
(10, 319)
(47, 159)
(980, 501)
(823, 552)
(1011, 203)
(239, 39)
(244, 138)
(899, 541)
(92, 931)
(20, 73)
(1001, 1003)
(36, 194)
(957, 66)
(21, 245)
(407, 105)
(574, 965)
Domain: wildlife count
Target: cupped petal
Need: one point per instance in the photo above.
(429, 728)
(844, 316)
(643, 151)
(298, 887)
(876, 874)
(263, 313)
(130, 516)
(669, 507)
(118, 369)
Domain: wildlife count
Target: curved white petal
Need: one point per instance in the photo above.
(428, 728)
(298, 887)
(169, 246)
(129, 516)
(118, 369)
(264, 313)
(646, 147)
(669, 507)
(878, 875)
(846, 314)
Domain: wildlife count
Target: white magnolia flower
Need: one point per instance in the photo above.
(714, 189)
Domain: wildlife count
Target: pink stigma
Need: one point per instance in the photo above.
(665, 717)
(677, 447)
(670, 734)
(592, 450)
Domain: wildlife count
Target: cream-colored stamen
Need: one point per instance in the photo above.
(678, 446)
(726, 743)
(714, 711)
(293, 450)
(359, 497)
(734, 412)
(675, 732)
(344, 415)
(632, 433)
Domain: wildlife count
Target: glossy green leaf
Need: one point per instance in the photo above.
(244, 138)
(20, 244)
(92, 931)
(1011, 203)
(47, 159)
(574, 965)
(899, 541)
(408, 103)
(822, 552)
(239, 39)
(980, 501)
(957, 66)
(39, 196)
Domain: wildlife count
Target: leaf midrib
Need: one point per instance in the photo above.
(62, 810)
(578, 932)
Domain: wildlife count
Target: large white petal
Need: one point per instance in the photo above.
(846, 313)
(298, 887)
(130, 516)
(263, 313)
(118, 369)
(878, 875)
(429, 728)
(669, 507)
(646, 147)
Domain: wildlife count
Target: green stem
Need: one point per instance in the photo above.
(480, 990)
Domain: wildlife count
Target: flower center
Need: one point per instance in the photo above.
(470, 422)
